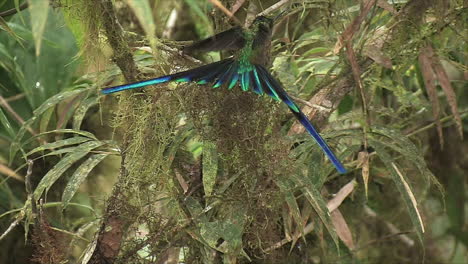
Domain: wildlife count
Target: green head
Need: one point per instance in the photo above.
(262, 24)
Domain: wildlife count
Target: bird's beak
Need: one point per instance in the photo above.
(280, 15)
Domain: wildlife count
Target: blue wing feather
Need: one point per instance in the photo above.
(206, 73)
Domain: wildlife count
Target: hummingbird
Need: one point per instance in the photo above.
(247, 67)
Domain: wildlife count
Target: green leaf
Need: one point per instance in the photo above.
(286, 188)
(403, 187)
(59, 144)
(4, 26)
(39, 10)
(315, 199)
(400, 143)
(143, 12)
(195, 8)
(210, 167)
(315, 51)
(4, 121)
(229, 230)
(64, 164)
(80, 112)
(79, 176)
(44, 123)
(52, 101)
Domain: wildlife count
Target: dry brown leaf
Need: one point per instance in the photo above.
(363, 160)
(444, 82)
(354, 64)
(352, 28)
(342, 229)
(378, 56)
(411, 195)
(386, 6)
(425, 62)
(341, 195)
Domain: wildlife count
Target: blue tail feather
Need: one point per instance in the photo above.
(278, 91)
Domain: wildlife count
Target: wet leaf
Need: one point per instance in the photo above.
(64, 164)
(81, 111)
(6, 124)
(52, 101)
(59, 144)
(79, 176)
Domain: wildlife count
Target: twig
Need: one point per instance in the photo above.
(30, 195)
(332, 205)
(391, 227)
(15, 10)
(236, 6)
(10, 228)
(29, 187)
(226, 11)
(319, 107)
(400, 234)
(15, 115)
(10, 173)
(273, 7)
(346, 39)
(463, 114)
(15, 97)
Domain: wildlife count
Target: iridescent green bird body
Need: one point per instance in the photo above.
(246, 68)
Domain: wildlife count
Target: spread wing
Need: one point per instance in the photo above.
(231, 39)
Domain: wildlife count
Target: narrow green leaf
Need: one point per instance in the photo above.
(52, 101)
(287, 189)
(54, 174)
(142, 11)
(315, 199)
(80, 112)
(195, 8)
(39, 10)
(79, 176)
(4, 26)
(56, 99)
(4, 121)
(315, 51)
(403, 145)
(44, 123)
(402, 187)
(210, 167)
(59, 144)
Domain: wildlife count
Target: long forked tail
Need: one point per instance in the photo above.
(251, 77)
(209, 72)
(276, 90)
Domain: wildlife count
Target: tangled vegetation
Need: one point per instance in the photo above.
(182, 173)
